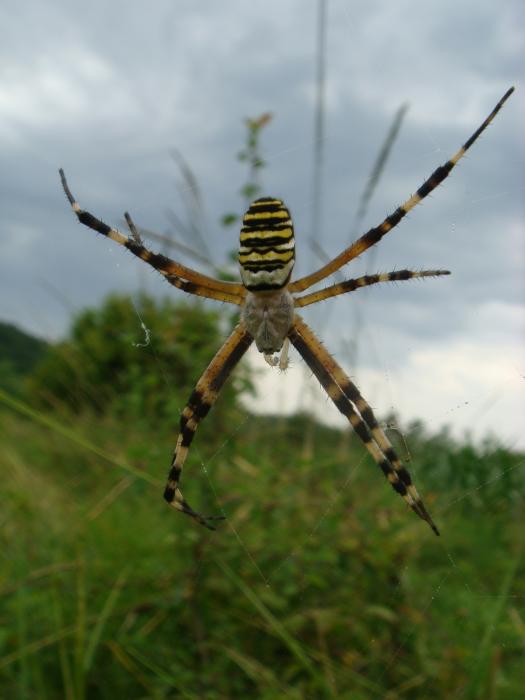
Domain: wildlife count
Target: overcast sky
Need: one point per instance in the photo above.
(105, 90)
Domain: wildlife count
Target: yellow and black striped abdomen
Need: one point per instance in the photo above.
(267, 251)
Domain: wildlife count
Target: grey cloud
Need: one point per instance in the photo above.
(105, 90)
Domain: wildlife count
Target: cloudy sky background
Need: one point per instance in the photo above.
(106, 89)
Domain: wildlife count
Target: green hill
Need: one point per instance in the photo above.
(19, 353)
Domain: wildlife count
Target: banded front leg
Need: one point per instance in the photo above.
(190, 281)
(200, 402)
(375, 234)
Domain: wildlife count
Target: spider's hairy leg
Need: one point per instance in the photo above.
(364, 281)
(201, 290)
(347, 399)
(201, 400)
(179, 275)
(374, 235)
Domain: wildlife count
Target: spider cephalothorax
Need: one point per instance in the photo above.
(268, 301)
(268, 318)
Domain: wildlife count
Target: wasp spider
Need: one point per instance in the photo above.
(268, 301)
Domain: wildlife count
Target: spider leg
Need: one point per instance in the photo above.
(201, 400)
(352, 405)
(202, 290)
(374, 235)
(179, 275)
(364, 281)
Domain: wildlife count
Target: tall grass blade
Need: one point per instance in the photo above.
(377, 170)
(164, 675)
(70, 434)
(133, 669)
(80, 632)
(481, 672)
(22, 625)
(257, 672)
(108, 607)
(65, 664)
(278, 628)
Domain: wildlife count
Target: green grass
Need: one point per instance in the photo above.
(320, 584)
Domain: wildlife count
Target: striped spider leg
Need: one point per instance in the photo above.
(201, 400)
(374, 235)
(212, 380)
(267, 300)
(177, 274)
(365, 281)
(354, 407)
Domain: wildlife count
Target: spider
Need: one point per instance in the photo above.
(268, 300)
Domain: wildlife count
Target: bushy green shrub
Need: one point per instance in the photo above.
(136, 358)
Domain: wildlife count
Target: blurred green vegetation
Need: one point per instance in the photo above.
(133, 358)
(320, 583)
(19, 353)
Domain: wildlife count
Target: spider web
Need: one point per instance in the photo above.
(456, 574)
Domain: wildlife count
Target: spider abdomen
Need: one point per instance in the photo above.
(268, 318)
(267, 250)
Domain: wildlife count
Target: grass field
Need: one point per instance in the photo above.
(320, 583)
